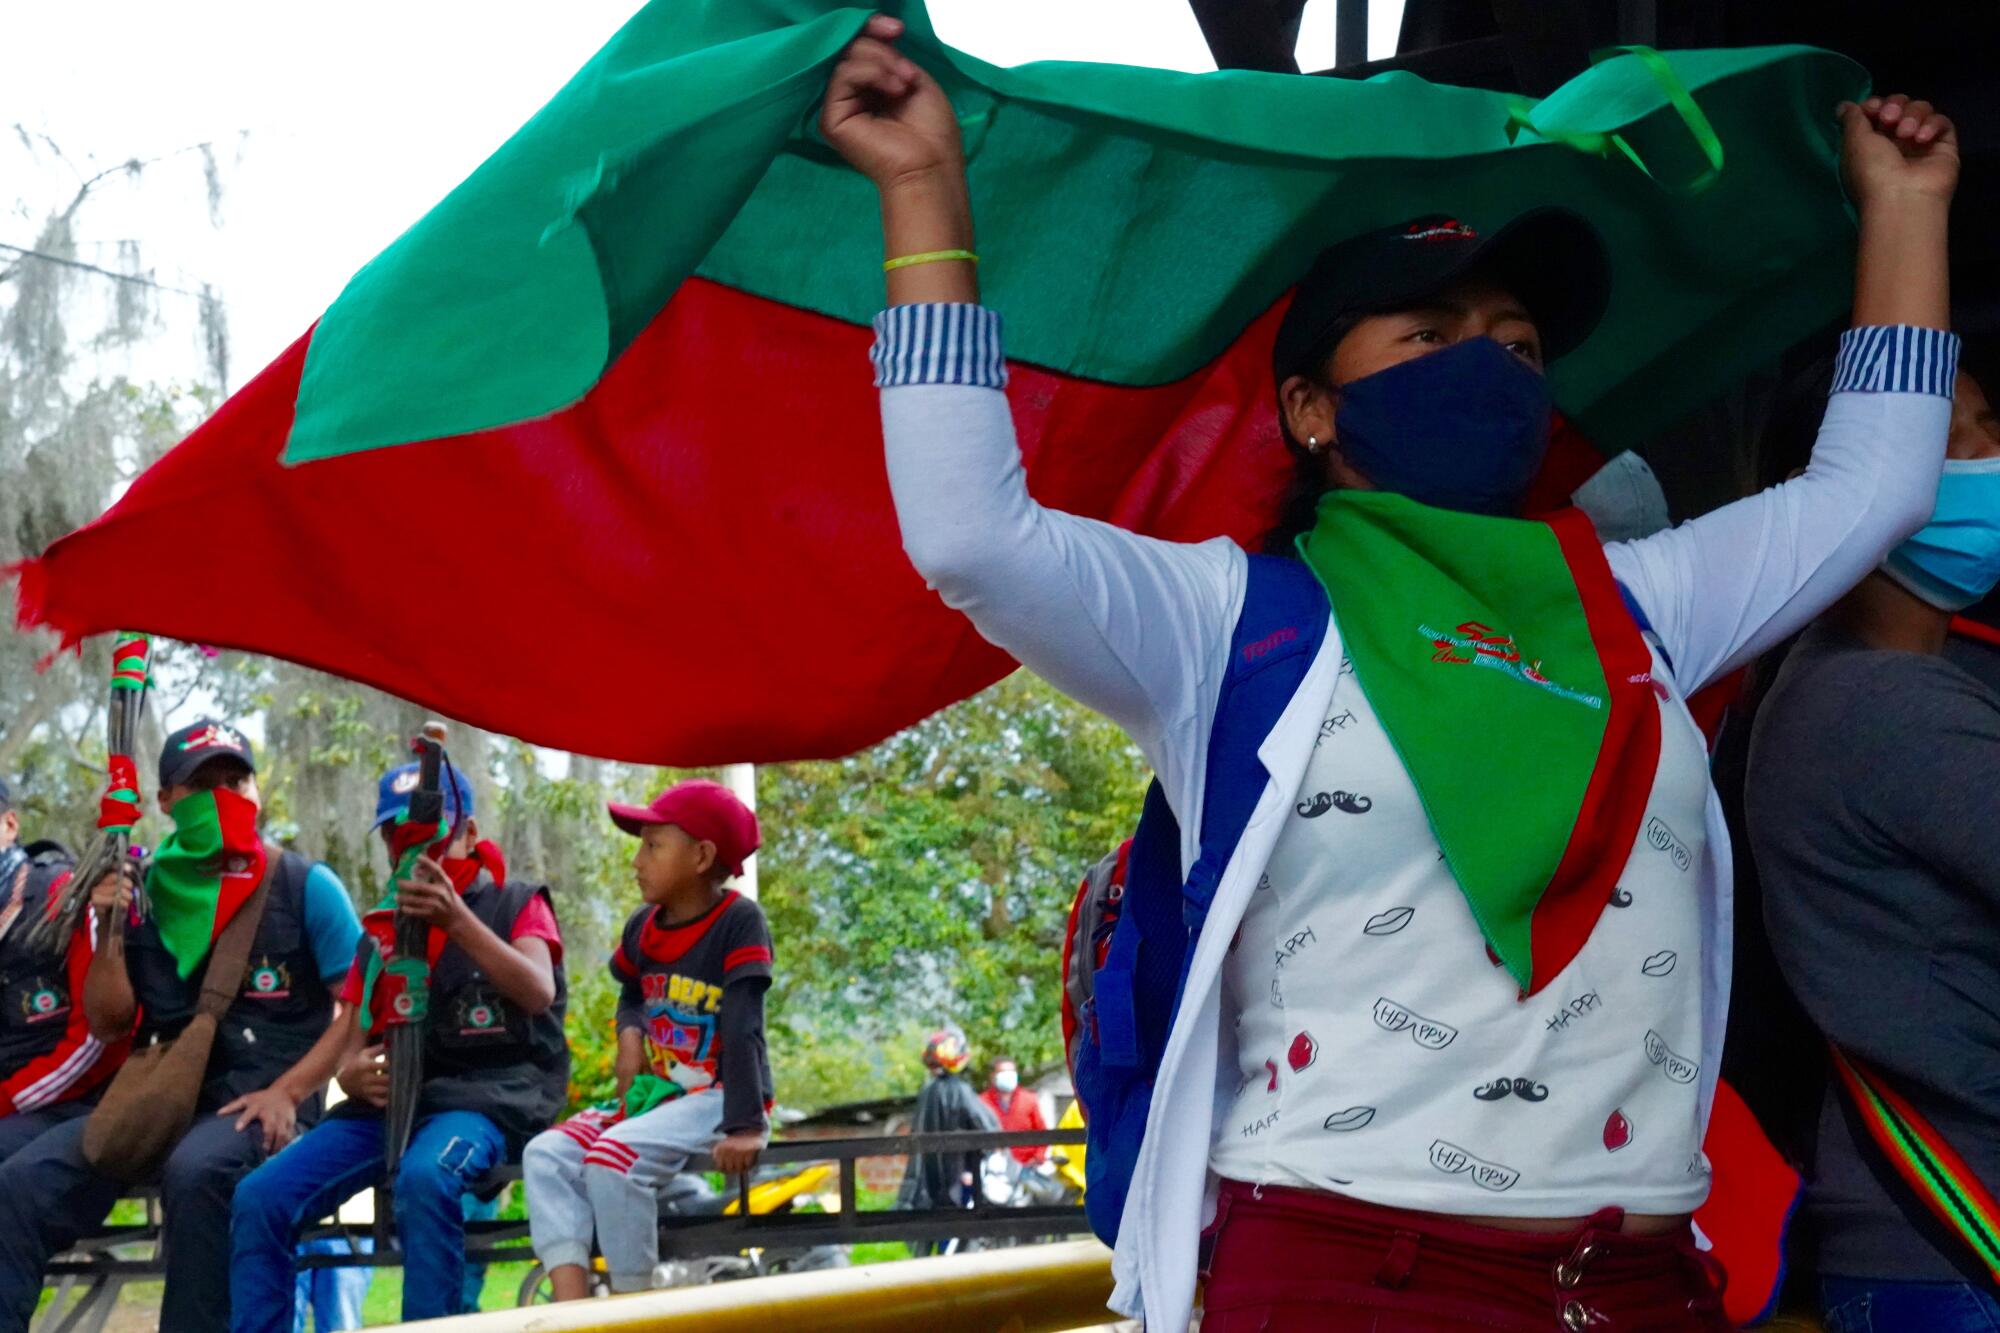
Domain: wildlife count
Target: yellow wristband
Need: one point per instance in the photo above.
(928, 257)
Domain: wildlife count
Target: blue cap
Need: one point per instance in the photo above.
(392, 795)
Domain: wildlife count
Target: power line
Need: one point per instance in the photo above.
(43, 255)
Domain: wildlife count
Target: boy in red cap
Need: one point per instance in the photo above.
(694, 963)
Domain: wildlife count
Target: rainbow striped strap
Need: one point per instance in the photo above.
(1938, 1175)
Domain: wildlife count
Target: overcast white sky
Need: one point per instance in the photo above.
(339, 125)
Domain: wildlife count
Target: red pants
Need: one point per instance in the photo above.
(1293, 1259)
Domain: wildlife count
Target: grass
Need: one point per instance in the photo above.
(384, 1303)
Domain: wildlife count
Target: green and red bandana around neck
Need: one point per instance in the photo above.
(1518, 693)
(206, 869)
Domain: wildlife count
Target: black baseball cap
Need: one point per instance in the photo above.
(196, 744)
(1550, 258)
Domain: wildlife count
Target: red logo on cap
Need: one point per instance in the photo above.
(1451, 229)
(213, 737)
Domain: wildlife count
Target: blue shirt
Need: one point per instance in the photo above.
(331, 924)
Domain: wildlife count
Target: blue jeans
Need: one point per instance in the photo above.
(1871, 1305)
(334, 1295)
(329, 1165)
(476, 1210)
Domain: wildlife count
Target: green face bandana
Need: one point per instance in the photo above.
(1517, 691)
(203, 872)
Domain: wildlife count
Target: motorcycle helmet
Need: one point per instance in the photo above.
(947, 1050)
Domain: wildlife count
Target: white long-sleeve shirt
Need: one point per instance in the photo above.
(1138, 628)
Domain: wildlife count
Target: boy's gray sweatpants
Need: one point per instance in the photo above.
(591, 1169)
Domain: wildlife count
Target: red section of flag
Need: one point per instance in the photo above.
(698, 563)
(1749, 1207)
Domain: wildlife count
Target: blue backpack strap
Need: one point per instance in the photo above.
(1137, 991)
(1118, 984)
(1282, 625)
(1645, 625)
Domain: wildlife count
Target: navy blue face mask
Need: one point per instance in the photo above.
(1465, 428)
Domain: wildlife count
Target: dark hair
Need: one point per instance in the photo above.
(221, 771)
(1298, 509)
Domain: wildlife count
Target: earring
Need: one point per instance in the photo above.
(1312, 444)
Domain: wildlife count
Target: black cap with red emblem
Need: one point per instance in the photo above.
(196, 744)
(1549, 258)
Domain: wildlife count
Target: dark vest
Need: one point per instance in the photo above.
(34, 987)
(482, 1052)
(282, 1009)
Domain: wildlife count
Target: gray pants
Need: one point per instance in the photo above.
(592, 1170)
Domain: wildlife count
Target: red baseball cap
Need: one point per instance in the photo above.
(706, 811)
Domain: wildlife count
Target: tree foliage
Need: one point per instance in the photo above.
(928, 881)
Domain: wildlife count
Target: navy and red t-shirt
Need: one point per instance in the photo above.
(695, 990)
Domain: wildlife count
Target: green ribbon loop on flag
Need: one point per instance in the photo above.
(1599, 143)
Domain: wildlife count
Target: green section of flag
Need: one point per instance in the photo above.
(1131, 221)
(1469, 637)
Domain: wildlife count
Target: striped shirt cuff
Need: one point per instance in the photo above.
(1896, 358)
(938, 344)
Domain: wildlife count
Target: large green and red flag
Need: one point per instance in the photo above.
(614, 387)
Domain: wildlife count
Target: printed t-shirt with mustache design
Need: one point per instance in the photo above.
(1384, 1053)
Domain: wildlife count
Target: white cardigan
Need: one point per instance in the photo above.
(1138, 629)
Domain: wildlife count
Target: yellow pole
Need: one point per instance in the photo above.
(1030, 1289)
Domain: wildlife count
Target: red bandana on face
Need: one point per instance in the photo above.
(463, 870)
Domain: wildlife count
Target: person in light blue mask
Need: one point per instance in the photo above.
(1873, 801)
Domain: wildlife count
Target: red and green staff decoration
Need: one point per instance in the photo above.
(633, 346)
(1940, 1178)
(118, 810)
(395, 995)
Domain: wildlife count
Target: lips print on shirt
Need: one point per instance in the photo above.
(1454, 1161)
(1660, 964)
(1302, 1052)
(1389, 922)
(1676, 1067)
(1617, 1131)
(1426, 1032)
(1353, 1118)
(1346, 801)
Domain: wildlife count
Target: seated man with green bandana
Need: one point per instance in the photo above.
(275, 1048)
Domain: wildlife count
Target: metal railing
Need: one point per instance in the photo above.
(89, 1276)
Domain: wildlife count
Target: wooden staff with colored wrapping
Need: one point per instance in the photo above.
(396, 990)
(118, 810)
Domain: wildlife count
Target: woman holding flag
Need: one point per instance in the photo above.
(1448, 1040)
